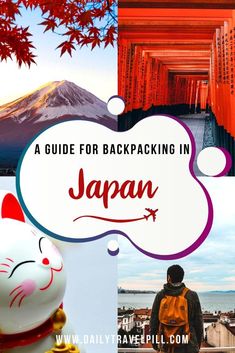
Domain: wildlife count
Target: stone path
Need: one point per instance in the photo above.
(196, 123)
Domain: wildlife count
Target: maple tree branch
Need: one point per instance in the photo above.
(82, 22)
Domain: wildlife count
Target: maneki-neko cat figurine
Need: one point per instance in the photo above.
(32, 286)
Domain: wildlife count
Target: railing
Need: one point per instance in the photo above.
(150, 350)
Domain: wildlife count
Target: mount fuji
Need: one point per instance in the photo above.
(54, 102)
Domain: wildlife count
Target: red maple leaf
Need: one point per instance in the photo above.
(110, 36)
(66, 47)
(50, 24)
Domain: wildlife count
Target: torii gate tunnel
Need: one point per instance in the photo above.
(178, 57)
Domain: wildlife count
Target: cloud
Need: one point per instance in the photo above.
(141, 283)
(230, 279)
(210, 267)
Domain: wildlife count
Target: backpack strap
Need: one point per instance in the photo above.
(184, 291)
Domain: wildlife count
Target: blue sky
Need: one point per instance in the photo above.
(96, 70)
(210, 267)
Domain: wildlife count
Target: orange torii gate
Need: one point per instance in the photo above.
(173, 57)
(178, 57)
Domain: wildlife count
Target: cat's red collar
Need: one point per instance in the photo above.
(28, 337)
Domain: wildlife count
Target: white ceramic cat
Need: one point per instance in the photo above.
(32, 283)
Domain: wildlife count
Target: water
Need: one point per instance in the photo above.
(210, 301)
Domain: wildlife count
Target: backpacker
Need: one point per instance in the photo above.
(173, 321)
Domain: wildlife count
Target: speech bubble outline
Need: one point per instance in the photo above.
(173, 256)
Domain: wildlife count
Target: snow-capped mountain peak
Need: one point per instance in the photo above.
(55, 100)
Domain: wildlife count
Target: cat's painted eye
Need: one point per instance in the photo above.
(20, 264)
(48, 250)
(40, 244)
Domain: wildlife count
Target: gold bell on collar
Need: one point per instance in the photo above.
(58, 320)
(64, 348)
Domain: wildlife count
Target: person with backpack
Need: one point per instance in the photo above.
(176, 323)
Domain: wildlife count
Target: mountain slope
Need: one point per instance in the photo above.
(56, 100)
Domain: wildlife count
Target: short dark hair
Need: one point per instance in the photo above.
(176, 273)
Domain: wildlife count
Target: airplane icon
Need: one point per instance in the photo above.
(152, 213)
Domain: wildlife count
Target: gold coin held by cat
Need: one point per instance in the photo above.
(73, 349)
(64, 348)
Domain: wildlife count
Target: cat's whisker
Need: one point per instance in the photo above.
(3, 264)
(3, 271)
(21, 299)
(15, 297)
(7, 258)
(15, 289)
